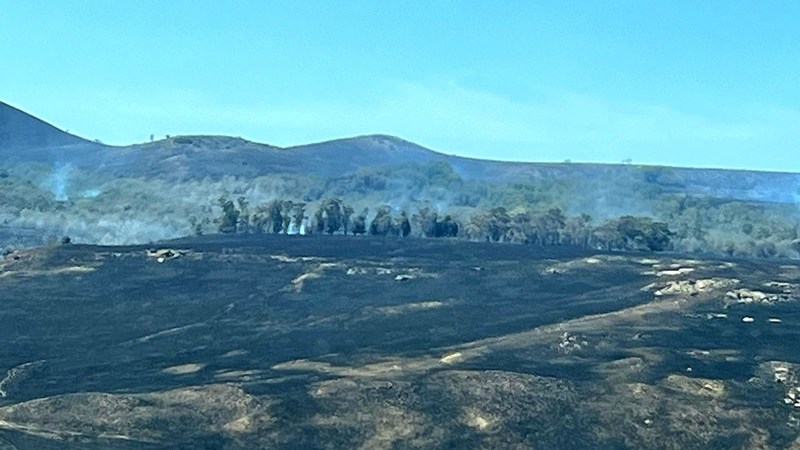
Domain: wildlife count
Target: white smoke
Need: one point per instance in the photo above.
(58, 181)
(292, 228)
(303, 226)
(91, 193)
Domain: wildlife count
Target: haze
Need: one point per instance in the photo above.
(711, 84)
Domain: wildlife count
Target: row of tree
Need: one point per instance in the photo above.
(551, 227)
(286, 217)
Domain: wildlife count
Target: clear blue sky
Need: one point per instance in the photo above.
(689, 83)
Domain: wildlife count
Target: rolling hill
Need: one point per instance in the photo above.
(54, 184)
(23, 137)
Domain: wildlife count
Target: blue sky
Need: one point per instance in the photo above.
(689, 83)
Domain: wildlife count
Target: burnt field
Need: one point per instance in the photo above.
(338, 342)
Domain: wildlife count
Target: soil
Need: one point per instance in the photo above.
(244, 342)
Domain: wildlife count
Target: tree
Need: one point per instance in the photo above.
(577, 231)
(230, 216)
(329, 216)
(657, 236)
(606, 236)
(360, 224)
(493, 224)
(403, 224)
(552, 223)
(347, 212)
(268, 218)
(383, 224)
(431, 225)
(244, 215)
(446, 227)
(425, 222)
(275, 216)
(642, 233)
(298, 214)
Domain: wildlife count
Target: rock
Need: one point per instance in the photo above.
(571, 343)
(786, 288)
(782, 374)
(752, 296)
(675, 272)
(692, 287)
(452, 358)
(356, 271)
(164, 254)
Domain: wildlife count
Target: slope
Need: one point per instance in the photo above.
(21, 130)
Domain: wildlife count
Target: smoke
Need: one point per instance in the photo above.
(91, 193)
(58, 181)
(796, 196)
(292, 228)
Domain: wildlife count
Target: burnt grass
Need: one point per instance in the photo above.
(233, 303)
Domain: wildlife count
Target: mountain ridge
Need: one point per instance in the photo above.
(13, 128)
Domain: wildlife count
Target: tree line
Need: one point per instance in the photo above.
(551, 227)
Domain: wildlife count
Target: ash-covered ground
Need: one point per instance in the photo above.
(339, 343)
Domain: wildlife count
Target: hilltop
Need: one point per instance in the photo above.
(23, 137)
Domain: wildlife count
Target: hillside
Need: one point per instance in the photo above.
(55, 184)
(23, 136)
(21, 131)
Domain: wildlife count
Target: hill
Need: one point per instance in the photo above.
(21, 131)
(195, 157)
(54, 184)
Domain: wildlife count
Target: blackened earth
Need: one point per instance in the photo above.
(336, 342)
